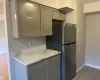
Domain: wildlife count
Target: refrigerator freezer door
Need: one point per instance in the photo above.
(69, 61)
(69, 33)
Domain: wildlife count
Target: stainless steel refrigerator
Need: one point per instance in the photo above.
(64, 40)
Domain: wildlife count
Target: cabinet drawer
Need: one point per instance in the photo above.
(38, 65)
(40, 74)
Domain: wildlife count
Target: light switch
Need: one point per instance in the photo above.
(79, 32)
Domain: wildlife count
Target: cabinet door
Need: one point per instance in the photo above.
(55, 14)
(62, 16)
(55, 68)
(28, 18)
(46, 21)
(59, 15)
(40, 74)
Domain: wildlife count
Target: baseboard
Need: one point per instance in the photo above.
(93, 66)
(80, 68)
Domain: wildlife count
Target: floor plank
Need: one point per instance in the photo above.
(3, 67)
(88, 73)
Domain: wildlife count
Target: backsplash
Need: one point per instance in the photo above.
(30, 50)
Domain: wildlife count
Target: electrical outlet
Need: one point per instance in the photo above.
(78, 31)
(30, 44)
(13, 54)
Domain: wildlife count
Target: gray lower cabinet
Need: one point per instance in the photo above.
(40, 74)
(55, 68)
(46, 20)
(48, 69)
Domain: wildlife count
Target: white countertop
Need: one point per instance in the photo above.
(31, 58)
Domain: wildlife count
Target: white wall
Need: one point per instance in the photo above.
(77, 17)
(89, 1)
(51, 3)
(93, 40)
(71, 17)
(81, 34)
(66, 3)
(3, 40)
(57, 3)
(1, 6)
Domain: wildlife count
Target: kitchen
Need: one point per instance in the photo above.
(44, 63)
(32, 45)
(20, 45)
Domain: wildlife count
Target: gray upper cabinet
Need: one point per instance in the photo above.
(58, 15)
(46, 20)
(31, 19)
(55, 68)
(25, 17)
(28, 19)
(55, 14)
(41, 74)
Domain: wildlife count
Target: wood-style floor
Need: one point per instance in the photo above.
(88, 73)
(3, 67)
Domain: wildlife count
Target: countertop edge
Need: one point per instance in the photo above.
(19, 61)
(33, 62)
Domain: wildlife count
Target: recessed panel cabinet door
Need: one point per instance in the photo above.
(46, 21)
(57, 15)
(28, 18)
(40, 74)
(55, 68)
(62, 16)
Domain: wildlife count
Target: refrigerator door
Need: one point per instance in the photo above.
(69, 33)
(69, 61)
